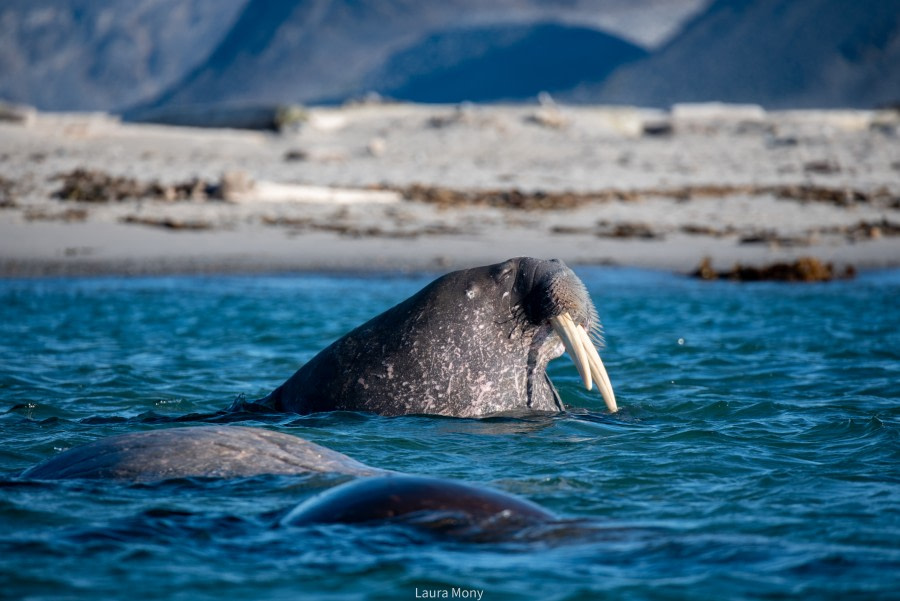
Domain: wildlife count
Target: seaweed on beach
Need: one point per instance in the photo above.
(627, 230)
(607, 229)
(693, 229)
(840, 196)
(773, 239)
(360, 231)
(512, 198)
(69, 215)
(837, 195)
(515, 198)
(7, 193)
(87, 185)
(168, 223)
(804, 269)
(866, 230)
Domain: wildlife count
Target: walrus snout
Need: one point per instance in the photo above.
(559, 298)
(555, 289)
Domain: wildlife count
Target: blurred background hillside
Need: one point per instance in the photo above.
(120, 55)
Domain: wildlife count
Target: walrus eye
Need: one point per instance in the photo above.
(502, 271)
(586, 358)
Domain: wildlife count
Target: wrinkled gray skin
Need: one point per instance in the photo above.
(472, 343)
(453, 508)
(205, 451)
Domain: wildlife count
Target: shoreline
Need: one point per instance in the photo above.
(158, 252)
(412, 188)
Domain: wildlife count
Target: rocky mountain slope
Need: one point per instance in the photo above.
(778, 53)
(165, 54)
(90, 55)
(495, 63)
(315, 50)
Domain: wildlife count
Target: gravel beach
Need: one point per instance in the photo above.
(431, 187)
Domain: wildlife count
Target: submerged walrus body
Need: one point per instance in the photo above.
(204, 451)
(445, 506)
(472, 343)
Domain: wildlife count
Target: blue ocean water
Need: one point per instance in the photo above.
(755, 455)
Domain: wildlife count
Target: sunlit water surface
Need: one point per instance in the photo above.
(755, 456)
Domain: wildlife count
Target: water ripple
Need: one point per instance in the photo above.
(755, 455)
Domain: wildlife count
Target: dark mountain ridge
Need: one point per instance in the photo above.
(777, 53)
(313, 50)
(489, 64)
(159, 54)
(100, 55)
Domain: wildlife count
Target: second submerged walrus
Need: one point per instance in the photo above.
(204, 451)
(472, 343)
(377, 496)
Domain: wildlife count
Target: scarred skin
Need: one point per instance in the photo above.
(472, 343)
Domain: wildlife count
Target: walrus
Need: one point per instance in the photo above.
(439, 505)
(199, 451)
(444, 506)
(472, 343)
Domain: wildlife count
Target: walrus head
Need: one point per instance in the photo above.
(554, 295)
(472, 343)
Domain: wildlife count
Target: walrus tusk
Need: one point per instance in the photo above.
(584, 355)
(565, 329)
(599, 372)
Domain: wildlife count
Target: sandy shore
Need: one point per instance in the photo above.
(402, 187)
